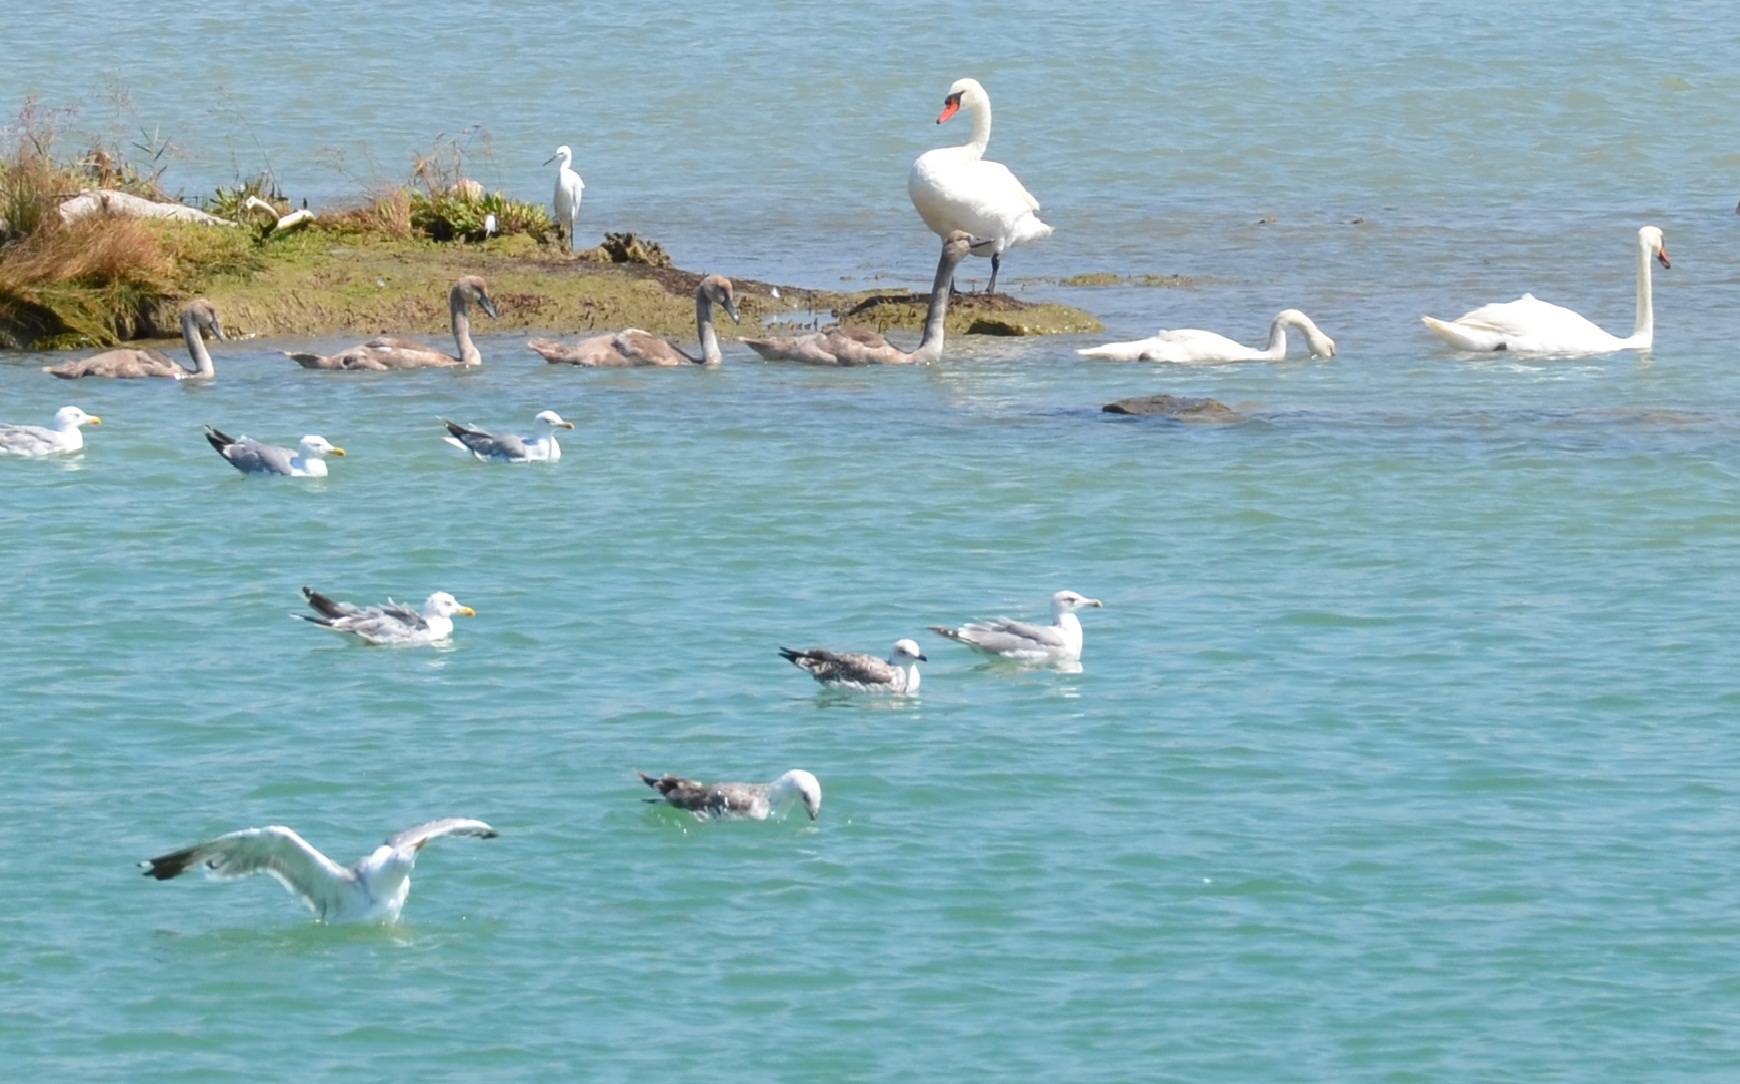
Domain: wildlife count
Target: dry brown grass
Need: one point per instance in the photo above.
(92, 281)
(387, 212)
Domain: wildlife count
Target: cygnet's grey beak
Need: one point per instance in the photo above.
(217, 329)
(488, 306)
(731, 310)
(980, 246)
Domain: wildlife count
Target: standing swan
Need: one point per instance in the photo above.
(127, 364)
(1190, 346)
(856, 346)
(390, 353)
(954, 188)
(566, 201)
(634, 348)
(1529, 325)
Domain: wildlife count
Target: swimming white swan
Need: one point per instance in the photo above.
(32, 441)
(954, 188)
(391, 353)
(569, 188)
(1189, 346)
(133, 364)
(1529, 325)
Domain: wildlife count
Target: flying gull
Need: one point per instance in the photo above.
(1008, 639)
(306, 460)
(859, 671)
(373, 890)
(737, 801)
(33, 441)
(394, 623)
(510, 448)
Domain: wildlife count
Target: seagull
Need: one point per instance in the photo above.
(1060, 640)
(510, 448)
(373, 890)
(859, 671)
(34, 441)
(306, 460)
(394, 623)
(737, 801)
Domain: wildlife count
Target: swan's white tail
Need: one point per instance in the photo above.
(1126, 351)
(1029, 228)
(1463, 337)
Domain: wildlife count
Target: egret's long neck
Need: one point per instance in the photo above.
(459, 314)
(196, 345)
(1644, 334)
(981, 111)
(930, 346)
(710, 353)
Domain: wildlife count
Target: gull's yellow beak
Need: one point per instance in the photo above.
(340, 452)
(94, 420)
(466, 611)
(566, 425)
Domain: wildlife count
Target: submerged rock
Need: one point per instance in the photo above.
(971, 314)
(1177, 407)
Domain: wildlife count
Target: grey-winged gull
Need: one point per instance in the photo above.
(393, 624)
(62, 435)
(1009, 639)
(306, 460)
(510, 447)
(860, 671)
(373, 890)
(737, 801)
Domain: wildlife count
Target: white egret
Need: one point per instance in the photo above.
(569, 188)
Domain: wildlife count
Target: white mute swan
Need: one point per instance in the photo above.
(1189, 346)
(1529, 325)
(391, 353)
(860, 346)
(954, 188)
(129, 364)
(635, 348)
(569, 188)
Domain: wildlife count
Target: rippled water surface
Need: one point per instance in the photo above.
(1404, 748)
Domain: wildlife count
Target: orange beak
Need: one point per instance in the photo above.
(1663, 257)
(950, 108)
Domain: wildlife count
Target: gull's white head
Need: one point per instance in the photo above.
(1651, 240)
(964, 94)
(442, 604)
(71, 417)
(563, 154)
(1320, 345)
(1068, 602)
(907, 649)
(802, 784)
(319, 447)
(553, 420)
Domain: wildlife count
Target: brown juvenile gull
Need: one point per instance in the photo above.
(392, 624)
(1009, 639)
(131, 364)
(373, 890)
(63, 435)
(737, 801)
(838, 345)
(391, 353)
(509, 447)
(634, 348)
(859, 671)
(306, 460)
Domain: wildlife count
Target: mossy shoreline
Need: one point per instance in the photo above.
(318, 282)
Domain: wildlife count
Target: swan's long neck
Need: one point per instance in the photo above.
(202, 365)
(1277, 348)
(930, 346)
(981, 111)
(1644, 334)
(710, 352)
(460, 316)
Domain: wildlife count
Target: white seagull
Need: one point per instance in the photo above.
(737, 801)
(306, 460)
(373, 890)
(1009, 639)
(859, 671)
(566, 201)
(393, 624)
(33, 441)
(510, 448)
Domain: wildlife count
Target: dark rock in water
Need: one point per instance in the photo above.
(1177, 407)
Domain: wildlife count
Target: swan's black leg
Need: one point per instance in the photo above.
(996, 262)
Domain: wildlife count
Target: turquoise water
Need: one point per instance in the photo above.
(1403, 749)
